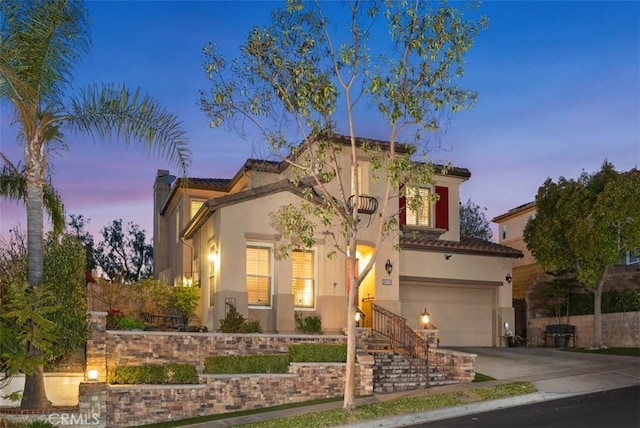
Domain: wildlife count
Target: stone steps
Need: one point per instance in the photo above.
(393, 373)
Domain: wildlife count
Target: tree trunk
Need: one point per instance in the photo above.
(34, 396)
(597, 311)
(350, 376)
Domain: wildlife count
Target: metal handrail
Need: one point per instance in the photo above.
(403, 339)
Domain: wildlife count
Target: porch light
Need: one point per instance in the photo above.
(388, 267)
(509, 278)
(424, 317)
(92, 374)
(357, 317)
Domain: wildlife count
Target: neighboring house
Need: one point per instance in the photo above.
(218, 232)
(526, 271)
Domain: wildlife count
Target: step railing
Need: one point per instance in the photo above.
(403, 339)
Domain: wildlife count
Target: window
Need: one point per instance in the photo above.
(504, 231)
(178, 224)
(259, 278)
(633, 257)
(303, 281)
(422, 217)
(195, 206)
(212, 274)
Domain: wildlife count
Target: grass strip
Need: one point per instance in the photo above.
(402, 406)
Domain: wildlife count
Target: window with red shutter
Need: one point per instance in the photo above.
(442, 208)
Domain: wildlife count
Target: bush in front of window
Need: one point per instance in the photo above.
(318, 353)
(233, 364)
(311, 324)
(235, 322)
(172, 374)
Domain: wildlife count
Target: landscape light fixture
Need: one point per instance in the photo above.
(92, 375)
(388, 267)
(424, 317)
(509, 278)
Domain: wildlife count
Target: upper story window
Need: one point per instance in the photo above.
(421, 217)
(504, 231)
(303, 280)
(432, 214)
(259, 273)
(195, 206)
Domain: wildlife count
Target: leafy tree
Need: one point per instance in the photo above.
(583, 226)
(54, 315)
(40, 42)
(473, 223)
(123, 255)
(63, 273)
(306, 73)
(77, 224)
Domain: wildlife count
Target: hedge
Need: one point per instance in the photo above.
(324, 353)
(232, 364)
(153, 374)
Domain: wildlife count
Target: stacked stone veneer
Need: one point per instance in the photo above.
(127, 405)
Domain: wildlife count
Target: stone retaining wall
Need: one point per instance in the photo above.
(129, 404)
(618, 329)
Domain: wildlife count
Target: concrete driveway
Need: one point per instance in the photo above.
(557, 371)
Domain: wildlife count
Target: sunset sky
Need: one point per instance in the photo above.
(558, 83)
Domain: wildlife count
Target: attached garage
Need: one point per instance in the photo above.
(464, 311)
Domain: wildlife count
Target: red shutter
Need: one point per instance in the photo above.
(442, 208)
(402, 206)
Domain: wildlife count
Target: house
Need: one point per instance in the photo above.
(218, 232)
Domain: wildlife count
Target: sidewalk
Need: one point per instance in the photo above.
(555, 374)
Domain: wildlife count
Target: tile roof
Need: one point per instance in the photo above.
(203, 183)
(466, 245)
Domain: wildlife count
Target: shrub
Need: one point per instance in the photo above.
(230, 364)
(185, 299)
(311, 324)
(113, 317)
(128, 323)
(321, 353)
(235, 322)
(172, 373)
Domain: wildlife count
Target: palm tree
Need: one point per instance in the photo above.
(13, 186)
(40, 42)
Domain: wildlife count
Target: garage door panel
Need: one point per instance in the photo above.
(463, 314)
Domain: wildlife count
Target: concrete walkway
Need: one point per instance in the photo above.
(555, 373)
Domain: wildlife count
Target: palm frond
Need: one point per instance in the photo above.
(110, 111)
(41, 41)
(13, 186)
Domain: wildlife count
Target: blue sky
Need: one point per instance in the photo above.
(558, 83)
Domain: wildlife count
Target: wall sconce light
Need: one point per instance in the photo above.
(388, 267)
(92, 375)
(424, 317)
(357, 317)
(509, 278)
(447, 256)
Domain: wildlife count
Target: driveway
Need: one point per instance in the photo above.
(555, 370)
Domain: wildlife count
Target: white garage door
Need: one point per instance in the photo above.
(464, 315)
